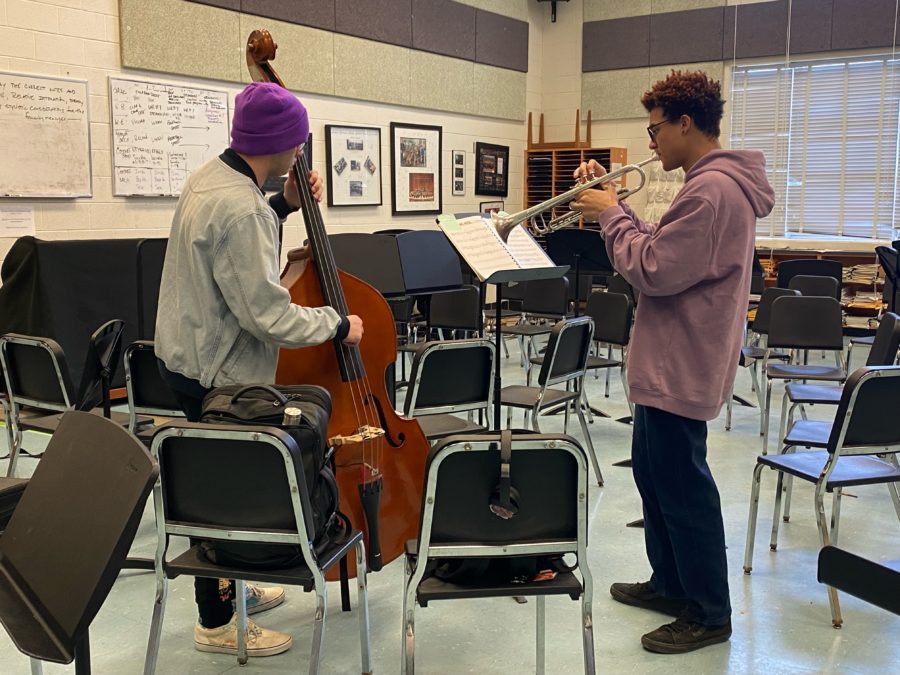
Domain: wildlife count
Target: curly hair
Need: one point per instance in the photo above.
(690, 93)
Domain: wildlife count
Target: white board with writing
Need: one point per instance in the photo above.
(162, 132)
(44, 137)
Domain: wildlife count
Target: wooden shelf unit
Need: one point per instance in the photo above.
(548, 172)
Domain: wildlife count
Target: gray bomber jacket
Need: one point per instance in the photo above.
(222, 312)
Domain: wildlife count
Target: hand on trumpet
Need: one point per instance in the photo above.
(595, 201)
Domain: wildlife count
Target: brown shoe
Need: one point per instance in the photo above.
(682, 636)
(642, 595)
(223, 640)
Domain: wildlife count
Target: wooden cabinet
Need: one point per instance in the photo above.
(548, 172)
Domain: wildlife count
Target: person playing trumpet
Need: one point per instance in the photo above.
(693, 272)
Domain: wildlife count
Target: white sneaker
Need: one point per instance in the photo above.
(260, 598)
(223, 640)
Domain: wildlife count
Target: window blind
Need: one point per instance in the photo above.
(829, 131)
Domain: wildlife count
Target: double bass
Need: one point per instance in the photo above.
(379, 456)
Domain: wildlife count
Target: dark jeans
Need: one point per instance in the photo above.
(213, 596)
(683, 528)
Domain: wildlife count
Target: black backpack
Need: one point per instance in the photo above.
(264, 405)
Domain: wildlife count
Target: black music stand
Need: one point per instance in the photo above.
(585, 252)
(499, 279)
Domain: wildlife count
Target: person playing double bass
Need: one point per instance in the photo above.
(223, 314)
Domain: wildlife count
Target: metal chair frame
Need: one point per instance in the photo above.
(300, 537)
(419, 364)
(576, 378)
(836, 451)
(414, 571)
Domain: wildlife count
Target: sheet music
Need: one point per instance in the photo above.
(477, 240)
(479, 244)
(526, 250)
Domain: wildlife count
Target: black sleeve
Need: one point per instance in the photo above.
(343, 330)
(280, 206)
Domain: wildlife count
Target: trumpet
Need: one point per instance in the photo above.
(505, 222)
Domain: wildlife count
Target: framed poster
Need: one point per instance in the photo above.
(491, 169)
(416, 169)
(490, 207)
(458, 164)
(353, 158)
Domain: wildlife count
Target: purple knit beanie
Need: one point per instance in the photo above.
(268, 119)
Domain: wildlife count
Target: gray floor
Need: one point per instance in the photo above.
(781, 619)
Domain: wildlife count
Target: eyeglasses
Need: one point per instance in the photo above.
(651, 130)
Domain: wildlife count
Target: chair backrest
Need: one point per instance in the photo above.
(549, 473)
(436, 384)
(151, 253)
(612, 314)
(100, 363)
(148, 393)
(546, 297)
(429, 261)
(567, 351)
(810, 284)
(788, 269)
(374, 258)
(866, 414)
(71, 531)
(459, 308)
(35, 372)
(228, 458)
(618, 284)
(757, 284)
(801, 322)
(764, 309)
(887, 341)
(889, 258)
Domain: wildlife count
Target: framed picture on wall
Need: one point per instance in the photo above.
(415, 169)
(353, 158)
(491, 169)
(458, 164)
(490, 207)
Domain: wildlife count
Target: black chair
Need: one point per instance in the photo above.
(219, 507)
(39, 388)
(612, 314)
(788, 269)
(447, 378)
(889, 258)
(69, 536)
(806, 433)
(542, 480)
(564, 363)
(800, 323)
(545, 301)
(148, 393)
(883, 353)
(618, 284)
(809, 284)
(455, 310)
(755, 351)
(864, 430)
(876, 583)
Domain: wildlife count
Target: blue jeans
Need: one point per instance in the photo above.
(683, 528)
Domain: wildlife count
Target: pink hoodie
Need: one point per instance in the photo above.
(693, 272)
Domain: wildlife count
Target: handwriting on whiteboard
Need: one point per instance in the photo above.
(163, 132)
